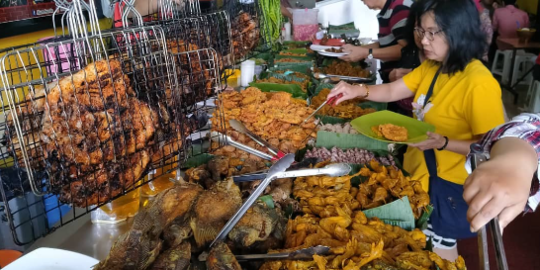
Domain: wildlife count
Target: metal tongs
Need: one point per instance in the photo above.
(301, 254)
(278, 171)
(218, 136)
(259, 175)
(477, 158)
(331, 101)
(238, 126)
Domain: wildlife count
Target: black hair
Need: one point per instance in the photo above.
(459, 20)
(414, 13)
(510, 2)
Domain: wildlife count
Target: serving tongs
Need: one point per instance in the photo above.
(258, 175)
(319, 75)
(238, 126)
(331, 101)
(477, 158)
(330, 169)
(297, 255)
(277, 171)
(218, 136)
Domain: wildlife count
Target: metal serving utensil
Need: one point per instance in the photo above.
(301, 254)
(218, 136)
(330, 101)
(280, 166)
(333, 170)
(477, 158)
(278, 170)
(238, 126)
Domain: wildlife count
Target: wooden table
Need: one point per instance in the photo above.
(516, 45)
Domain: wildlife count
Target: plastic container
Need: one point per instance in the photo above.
(51, 53)
(233, 77)
(247, 71)
(118, 210)
(305, 24)
(160, 183)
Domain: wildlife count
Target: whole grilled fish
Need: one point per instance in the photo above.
(221, 258)
(175, 258)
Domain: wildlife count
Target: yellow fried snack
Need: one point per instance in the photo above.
(391, 132)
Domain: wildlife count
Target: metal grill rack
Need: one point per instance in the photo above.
(248, 28)
(83, 120)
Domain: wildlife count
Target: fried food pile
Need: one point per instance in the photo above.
(275, 117)
(221, 167)
(357, 242)
(293, 73)
(303, 85)
(391, 132)
(292, 54)
(343, 68)
(184, 219)
(387, 184)
(94, 137)
(245, 34)
(333, 218)
(347, 109)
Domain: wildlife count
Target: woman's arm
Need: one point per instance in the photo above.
(500, 187)
(388, 92)
(437, 141)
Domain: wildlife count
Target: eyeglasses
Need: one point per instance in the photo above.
(422, 33)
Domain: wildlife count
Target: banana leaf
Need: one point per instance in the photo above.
(293, 89)
(396, 213)
(295, 44)
(303, 67)
(268, 200)
(422, 222)
(347, 141)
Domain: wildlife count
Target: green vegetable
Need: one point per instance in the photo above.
(272, 19)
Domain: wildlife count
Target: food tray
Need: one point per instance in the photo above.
(305, 58)
(347, 141)
(295, 44)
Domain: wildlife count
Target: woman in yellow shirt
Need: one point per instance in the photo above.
(456, 93)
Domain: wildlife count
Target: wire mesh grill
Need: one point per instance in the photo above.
(248, 28)
(83, 120)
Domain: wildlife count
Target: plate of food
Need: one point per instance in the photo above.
(332, 52)
(53, 259)
(391, 127)
(317, 48)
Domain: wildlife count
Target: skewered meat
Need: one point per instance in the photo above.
(221, 258)
(213, 209)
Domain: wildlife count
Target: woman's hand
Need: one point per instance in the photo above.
(500, 187)
(434, 141)
(348, 91)
(355, 53)
(398, 73)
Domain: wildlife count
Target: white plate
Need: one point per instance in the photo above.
(317, 48)
(331, 54)
(52, 259)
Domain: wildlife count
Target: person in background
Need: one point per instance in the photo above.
(508, 19)
(392, 31)
(458, 95)
(507, 184)
(285, 11)
(412, 56)
(536, 69)
(485, 24)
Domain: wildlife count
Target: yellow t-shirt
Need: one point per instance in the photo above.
(464, 105)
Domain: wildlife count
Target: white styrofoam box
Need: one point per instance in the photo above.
(339, 12)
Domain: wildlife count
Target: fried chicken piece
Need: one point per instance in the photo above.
(394, 133)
